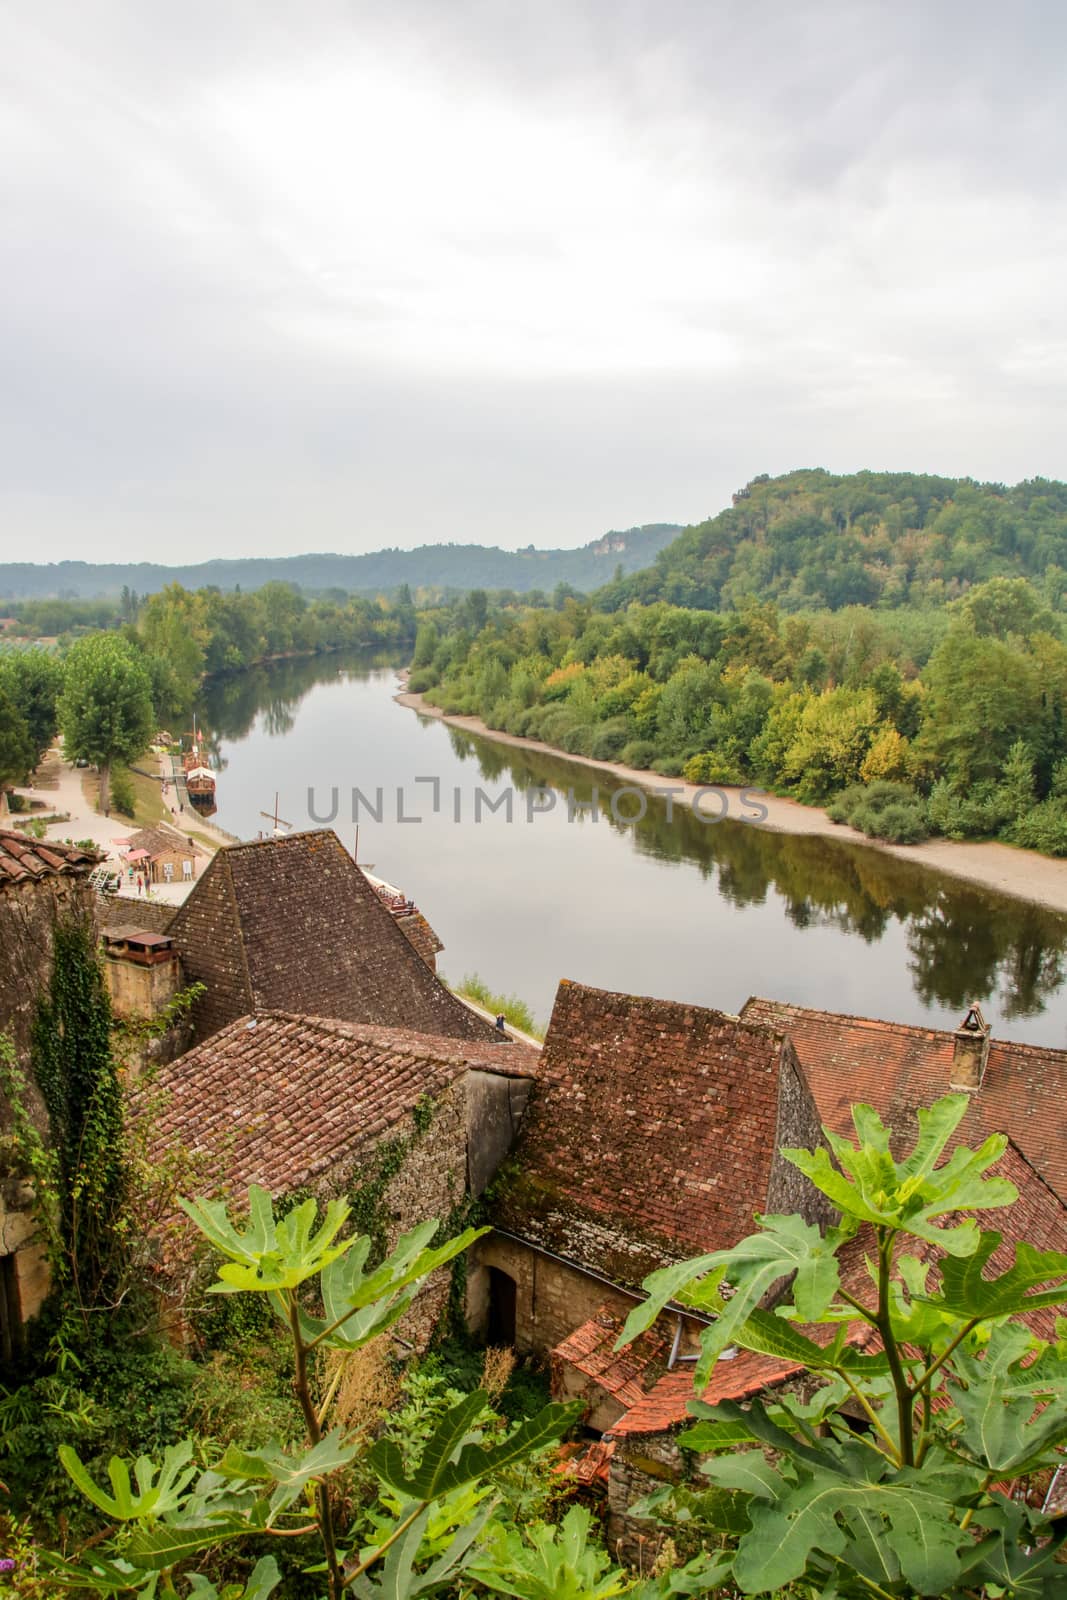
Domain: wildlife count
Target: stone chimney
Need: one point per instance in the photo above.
(970, 1051)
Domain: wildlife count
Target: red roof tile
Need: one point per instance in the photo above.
(666, 1405)
(278, 1099)
(23, 859)
(897, 1068)
(588, 1464)
(624, 1374)
(652, 1133)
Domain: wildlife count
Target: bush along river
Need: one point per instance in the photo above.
(530, 873)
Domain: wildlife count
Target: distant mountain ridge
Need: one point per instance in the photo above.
(438, 566)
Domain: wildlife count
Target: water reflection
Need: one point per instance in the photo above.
(961, 940)
(669, 906)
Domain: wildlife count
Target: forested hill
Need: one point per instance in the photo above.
(813, 539)
(435, 567)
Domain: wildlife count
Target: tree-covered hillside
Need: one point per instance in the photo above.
(813, 539)
(436, 567)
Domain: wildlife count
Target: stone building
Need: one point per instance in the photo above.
(293, 925)
(165, 854)
(40, 884)
(653, 1134)
(1017, 1089)
(407, 1125)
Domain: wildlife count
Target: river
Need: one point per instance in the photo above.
(666, 906)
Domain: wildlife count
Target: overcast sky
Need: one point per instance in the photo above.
(332, 276)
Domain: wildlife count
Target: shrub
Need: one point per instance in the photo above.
(421, 679)
(123, 798)
(638, 753)
(578, 741)
(609, 740)
(882, 810)
(668, 767)
(979, 814)
(710, 767)
(1043, 828)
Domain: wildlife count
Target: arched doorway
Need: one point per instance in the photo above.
(501, 1329)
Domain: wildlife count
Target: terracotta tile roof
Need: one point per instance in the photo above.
(666, 1405)
(897, 1068)
(652, 1133)
(1038, 1217)
(293, 925)
(624, 1374)
(23, 859)
(588, 1464)
(277, 1099)
(163, 840)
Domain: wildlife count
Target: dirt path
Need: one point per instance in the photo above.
(63, 790)
(1021, 873)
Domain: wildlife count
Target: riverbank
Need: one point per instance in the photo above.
(61, 789)
(1002, 868)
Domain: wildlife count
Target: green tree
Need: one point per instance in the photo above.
(105, 709)
(882, 1483)
(173, 631)
(32, 679)
(982, 696)
(17, 754)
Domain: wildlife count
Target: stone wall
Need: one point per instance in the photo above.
(431, 1182)
(799, 1128)
(140, 989)
(639, 1466)
(28, 915)
(552, 1298)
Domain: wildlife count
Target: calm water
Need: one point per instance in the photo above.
(678, 909)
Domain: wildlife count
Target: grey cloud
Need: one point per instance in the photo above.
(867, 214)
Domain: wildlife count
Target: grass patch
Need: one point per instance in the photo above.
(149, 807)
(515, 1010)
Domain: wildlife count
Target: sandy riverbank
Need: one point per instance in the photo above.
(1000, 867)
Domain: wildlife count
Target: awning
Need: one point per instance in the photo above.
(137, 855)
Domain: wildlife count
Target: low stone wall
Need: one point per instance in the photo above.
(639, 1465)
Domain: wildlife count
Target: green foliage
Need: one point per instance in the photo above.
(812, 539)
(959, 1397)
(962, 712)
(75, 1071)
(514, 1010)
(542, 1562)
(31, 679)
(436, 1499)
(882, 810)
(105, 709)
(17, 754)
(123, 797)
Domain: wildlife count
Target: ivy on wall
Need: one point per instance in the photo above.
(75, 1071)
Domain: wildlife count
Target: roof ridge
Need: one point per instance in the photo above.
(854, 1018)
(276, 841)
